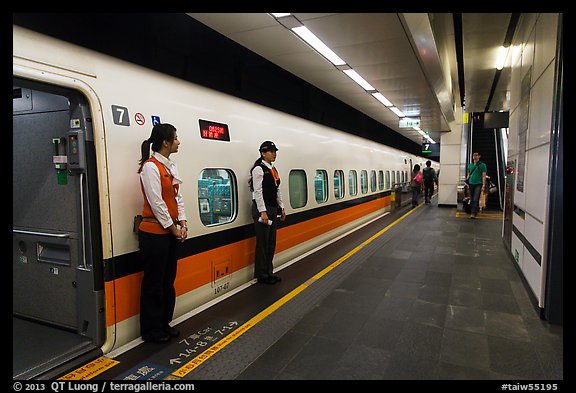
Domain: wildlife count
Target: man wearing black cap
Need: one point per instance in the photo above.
(266, 205)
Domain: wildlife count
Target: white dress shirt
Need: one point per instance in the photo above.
(258, 196)
(150, 176)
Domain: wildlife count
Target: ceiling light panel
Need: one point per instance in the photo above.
(358, 79)
(318, 45)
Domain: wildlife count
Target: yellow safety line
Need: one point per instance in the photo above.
(480, 215)
(207, 354)
(90, 370)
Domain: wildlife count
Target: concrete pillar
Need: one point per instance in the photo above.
(451, 161)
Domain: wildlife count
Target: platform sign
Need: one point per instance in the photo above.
(408, 122)
(431, 148)
(145, 371)
(90, 370)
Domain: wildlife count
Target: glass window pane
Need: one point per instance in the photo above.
(372, 180)
(297, 188)
(338, 184)
(353, 182)
(321, 185)
(380, 180)
(364, 181)
(387, 180)
(217, 196)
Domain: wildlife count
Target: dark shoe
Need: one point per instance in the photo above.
(267, 280)
(156, 337)
(473, 215)
(277, 278)
(172, 331)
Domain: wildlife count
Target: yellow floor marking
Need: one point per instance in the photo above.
(90, 370)
(207, 354)
(480, 215)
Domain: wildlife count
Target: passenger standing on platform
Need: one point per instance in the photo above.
(416, 184)
(430, 179)
(477, 181)
(163, 226)
(266, 206)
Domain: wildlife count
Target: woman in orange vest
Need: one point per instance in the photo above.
(163, 226)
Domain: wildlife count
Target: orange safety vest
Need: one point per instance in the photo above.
(169, 192)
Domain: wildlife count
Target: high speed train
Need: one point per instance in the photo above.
(79, 118)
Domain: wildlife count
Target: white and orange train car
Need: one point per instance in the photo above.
(79, 118)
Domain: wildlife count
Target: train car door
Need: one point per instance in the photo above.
(58, 311)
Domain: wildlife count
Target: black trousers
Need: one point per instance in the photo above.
(428, 190)
(159, 256)
(265, 242)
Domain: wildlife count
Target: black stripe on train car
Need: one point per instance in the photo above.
(124, 265)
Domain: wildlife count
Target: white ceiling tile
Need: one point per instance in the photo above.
(379, 48)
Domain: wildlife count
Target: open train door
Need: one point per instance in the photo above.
(58, 296)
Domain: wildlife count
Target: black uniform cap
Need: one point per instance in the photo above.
(268, 146)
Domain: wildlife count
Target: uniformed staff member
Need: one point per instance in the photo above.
(266, 206)
(163, 226)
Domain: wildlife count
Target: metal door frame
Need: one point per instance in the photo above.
(90, 313)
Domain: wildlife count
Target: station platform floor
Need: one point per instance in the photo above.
(419, 294)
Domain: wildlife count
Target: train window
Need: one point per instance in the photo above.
(217, 196)
(338, 184)
(387, 180)
(321, 185)
(393, 179)
(364, 181)
(403, 178)
(297, 188)
(397, 176)
(353, 182)
(372, 180)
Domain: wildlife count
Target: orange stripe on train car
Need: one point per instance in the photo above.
(123, 296)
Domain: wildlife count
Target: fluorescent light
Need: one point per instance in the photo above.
(358, 79)
(398, 112)
(502, 53)
(382, 99)
(315, 43)
(279, 15)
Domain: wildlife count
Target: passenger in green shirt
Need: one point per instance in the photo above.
(477, 181)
